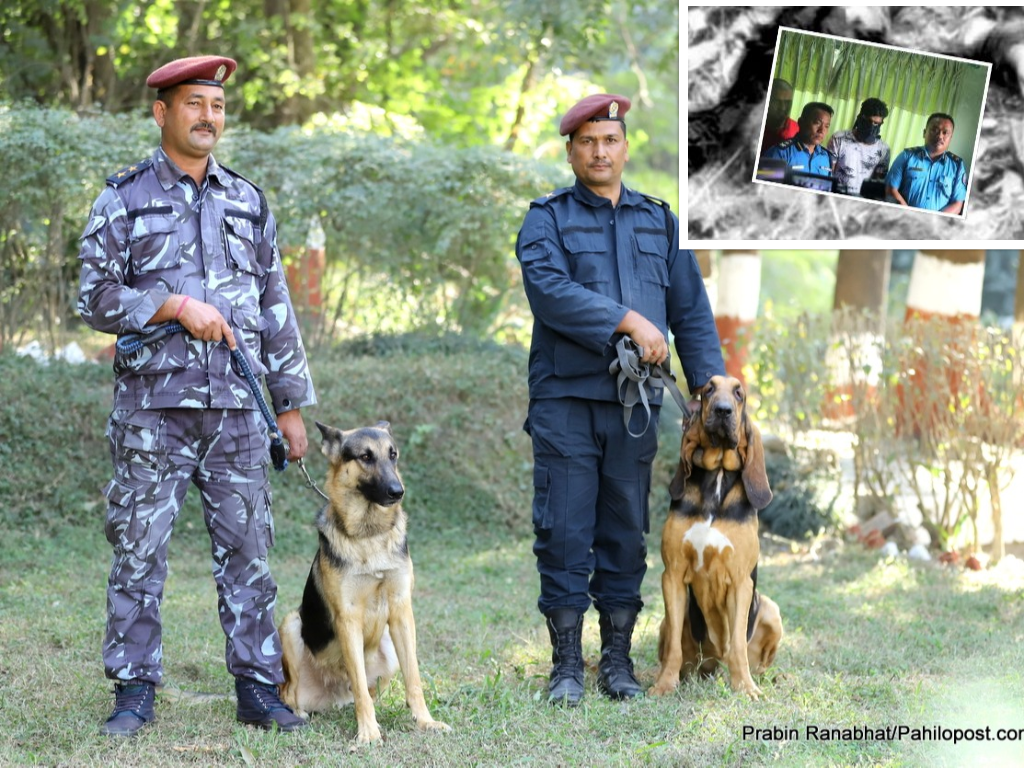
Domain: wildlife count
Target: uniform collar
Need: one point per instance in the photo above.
(169, 174)
(923, 151)
(586, 195)
(803, 147)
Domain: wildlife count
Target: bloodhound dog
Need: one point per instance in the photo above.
(713, 612)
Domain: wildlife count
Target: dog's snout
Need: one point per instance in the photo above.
(395, 492)
(723, 407)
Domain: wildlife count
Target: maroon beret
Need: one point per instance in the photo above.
(201, 70)
(600, 106)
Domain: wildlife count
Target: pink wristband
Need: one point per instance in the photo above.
(178, 313)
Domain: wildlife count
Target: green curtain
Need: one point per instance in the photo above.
(844, 73)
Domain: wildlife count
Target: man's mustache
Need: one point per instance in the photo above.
(207, 126)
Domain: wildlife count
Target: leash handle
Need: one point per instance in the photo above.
(134, 343)
(635, 376)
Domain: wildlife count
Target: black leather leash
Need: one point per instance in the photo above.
(633, 378)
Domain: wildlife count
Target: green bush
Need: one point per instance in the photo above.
(417, 235)
(457, 416)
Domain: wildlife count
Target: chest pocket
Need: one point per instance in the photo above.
(649, 253)
(588, 259)
(240, 240)
(154, 241)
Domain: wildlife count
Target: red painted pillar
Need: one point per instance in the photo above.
(854, 359)
(739, 288)
(943, 306)
(305, 270)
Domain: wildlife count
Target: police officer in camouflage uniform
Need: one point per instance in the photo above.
(599, 262)
(180, 237)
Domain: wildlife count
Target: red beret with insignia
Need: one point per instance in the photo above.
(200, 70)
(600, 106)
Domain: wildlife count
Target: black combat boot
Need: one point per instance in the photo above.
(615, 671)
(565, 627)
(259, 705)
(133, 708)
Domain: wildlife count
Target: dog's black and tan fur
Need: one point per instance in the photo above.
(710, 548)
(355, 625)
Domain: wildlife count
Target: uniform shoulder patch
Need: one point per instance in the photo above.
(656, 200)
(121, 176)
(783, 144)
(545, 199)
(956, 158)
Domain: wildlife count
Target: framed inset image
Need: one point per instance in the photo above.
(869, 121)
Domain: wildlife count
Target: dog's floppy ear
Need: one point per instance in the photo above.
(332, 441)
(755, 477)
(693, 438)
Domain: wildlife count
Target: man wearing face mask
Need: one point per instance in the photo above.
(861, 154)
(930, 177)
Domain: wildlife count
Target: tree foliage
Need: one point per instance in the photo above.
(416, 132)
(418, 235)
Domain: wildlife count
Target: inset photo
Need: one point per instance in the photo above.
(826, 124)
(869, 121)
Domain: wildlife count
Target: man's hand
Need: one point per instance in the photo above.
(204, 321)
(294, 431)
(645, 334)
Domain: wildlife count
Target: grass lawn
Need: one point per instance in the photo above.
(868, 643)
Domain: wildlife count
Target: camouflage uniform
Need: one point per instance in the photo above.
(183, 413)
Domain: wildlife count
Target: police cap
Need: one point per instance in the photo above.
(600, 106)
(199, 70)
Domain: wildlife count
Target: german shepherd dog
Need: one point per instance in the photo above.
(355, 626)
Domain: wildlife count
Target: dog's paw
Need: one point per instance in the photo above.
(661, 688)
(368, 734)
(752, 691)
(433, 725)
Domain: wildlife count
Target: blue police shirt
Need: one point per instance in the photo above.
(585, 264)
(927, 183)
(799, 158)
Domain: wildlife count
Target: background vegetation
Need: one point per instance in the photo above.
(415, 134)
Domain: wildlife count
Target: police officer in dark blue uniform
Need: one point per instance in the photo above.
(805, 153)
(599, 262)
(930, 177)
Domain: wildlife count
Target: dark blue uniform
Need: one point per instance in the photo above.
(585, 264)
(799, 158)
(926, 183)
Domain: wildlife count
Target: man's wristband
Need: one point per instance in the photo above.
(181, 307)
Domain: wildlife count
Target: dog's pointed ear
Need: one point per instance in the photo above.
(755, 476)
(332, 441)
(386, 426)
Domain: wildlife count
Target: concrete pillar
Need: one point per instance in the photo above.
(305, 271)
(944, 302)
(946, 285)
(739, 288)
(858, 330)
(707, 271)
